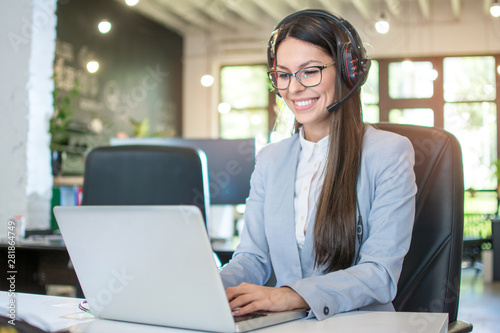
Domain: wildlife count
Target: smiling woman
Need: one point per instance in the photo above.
(307, 207)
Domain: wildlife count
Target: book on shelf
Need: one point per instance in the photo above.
(70, 195)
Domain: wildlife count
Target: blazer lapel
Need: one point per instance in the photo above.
(281, 222)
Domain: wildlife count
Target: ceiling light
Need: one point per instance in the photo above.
(92, 66)
(131, 2)
(104, 26)
(207, 80)
(382, 25)
(495, 9)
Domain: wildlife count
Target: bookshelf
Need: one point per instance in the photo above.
(66, 191)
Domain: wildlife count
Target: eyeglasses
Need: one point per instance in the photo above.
(308, 77)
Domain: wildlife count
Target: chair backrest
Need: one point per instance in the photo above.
(430, 280)
(146, 175)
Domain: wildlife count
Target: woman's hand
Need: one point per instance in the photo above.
(247, 298)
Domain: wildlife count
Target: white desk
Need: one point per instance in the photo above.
(56, 313)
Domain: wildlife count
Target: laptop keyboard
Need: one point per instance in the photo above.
(252, 315)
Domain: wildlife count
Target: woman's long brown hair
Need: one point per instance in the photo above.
(335, 221)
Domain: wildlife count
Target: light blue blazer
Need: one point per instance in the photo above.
(386, 194)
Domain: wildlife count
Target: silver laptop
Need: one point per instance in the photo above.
(151, 265)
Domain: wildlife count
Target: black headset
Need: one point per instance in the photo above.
(351, 55)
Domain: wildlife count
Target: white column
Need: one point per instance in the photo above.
(28, 31)
(198, 119)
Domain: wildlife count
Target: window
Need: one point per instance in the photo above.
(456, 93)
(469, 113)
(411, 79)
(422, 117)
(408, 91)
(474, 125)
(244, 102)
(469, 79)
(370, 94)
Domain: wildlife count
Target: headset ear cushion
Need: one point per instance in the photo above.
(350, 65)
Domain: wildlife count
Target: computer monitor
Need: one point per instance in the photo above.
(230, 164)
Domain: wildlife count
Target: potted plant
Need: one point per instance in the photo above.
(62, 126)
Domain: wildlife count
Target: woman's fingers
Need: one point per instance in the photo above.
(234, 292)
(241, 296)
(247, 298)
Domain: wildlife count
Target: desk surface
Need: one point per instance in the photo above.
(56, 313)
(54, 242)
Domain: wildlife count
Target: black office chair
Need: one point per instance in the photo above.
(146, 175)
(430, 280)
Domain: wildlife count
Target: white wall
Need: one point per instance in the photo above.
(475, 32)
(27, 49)
(196, 122)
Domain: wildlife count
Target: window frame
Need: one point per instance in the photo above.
(437, 101)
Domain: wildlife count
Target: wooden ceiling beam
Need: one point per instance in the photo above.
(425, 8)
(362, 7)
(331, 6)
(486, 6)
(246, 10)
(157, 13)
(456, 8)
(298, 4)
(394, 7)
(277, 10)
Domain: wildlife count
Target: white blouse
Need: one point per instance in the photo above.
(308, 182)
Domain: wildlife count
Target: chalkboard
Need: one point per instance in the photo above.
(139, 76)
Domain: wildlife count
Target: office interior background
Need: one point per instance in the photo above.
(197, 69)
(438, 65)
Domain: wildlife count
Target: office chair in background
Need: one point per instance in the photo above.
(430, 279)
(146, 175)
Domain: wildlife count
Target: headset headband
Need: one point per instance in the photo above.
(347, 27)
